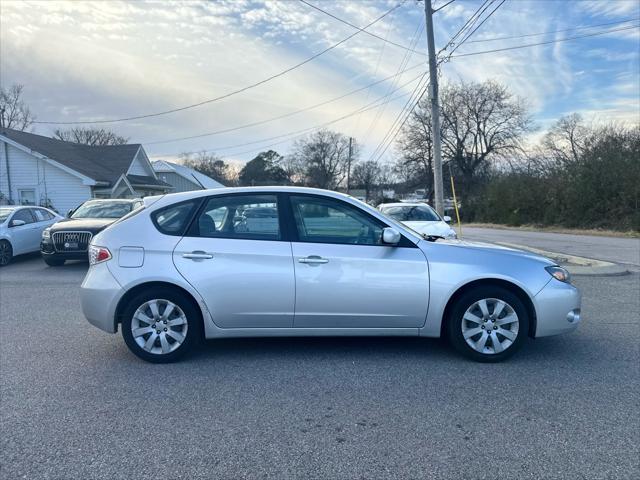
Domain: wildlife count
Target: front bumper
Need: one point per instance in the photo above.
(99, 295)
(47, 250)
(557, 309)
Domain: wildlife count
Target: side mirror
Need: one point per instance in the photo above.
(17, 223)
(69, 213)
(447, 218)
(391, 236)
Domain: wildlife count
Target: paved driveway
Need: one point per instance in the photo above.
(77, 404)
(612, 249)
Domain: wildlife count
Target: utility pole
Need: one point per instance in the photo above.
(435, 111)
(349, 166)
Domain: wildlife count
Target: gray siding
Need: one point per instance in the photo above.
(180, 183)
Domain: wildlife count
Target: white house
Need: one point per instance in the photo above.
(183, 179)
(38, 170)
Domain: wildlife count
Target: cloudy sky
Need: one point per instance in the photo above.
(104, 60)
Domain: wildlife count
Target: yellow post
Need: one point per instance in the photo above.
(455, 204)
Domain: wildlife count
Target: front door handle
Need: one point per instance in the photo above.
(197, 255)
(313, 260)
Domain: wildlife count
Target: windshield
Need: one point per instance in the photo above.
(102, 210)
(412, 213)
(4, 213)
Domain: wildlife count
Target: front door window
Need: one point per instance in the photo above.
(321, 220)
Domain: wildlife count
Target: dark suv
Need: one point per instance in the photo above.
(69, 239)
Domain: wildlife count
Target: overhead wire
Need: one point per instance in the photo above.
(584, 27)
(407, 56)
(361, 29)
(468, 35)
(388, 138)
(369, 106)
(558, 40)
(232, 93)
(285, 115)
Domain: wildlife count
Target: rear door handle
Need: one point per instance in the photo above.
(197, 255)
(313, 260)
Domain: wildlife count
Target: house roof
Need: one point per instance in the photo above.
(143, 180)
(190, 174)
(101, 163)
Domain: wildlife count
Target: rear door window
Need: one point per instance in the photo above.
(250, 217)
(174, 219)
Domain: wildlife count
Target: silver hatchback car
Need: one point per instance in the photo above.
(289, 261)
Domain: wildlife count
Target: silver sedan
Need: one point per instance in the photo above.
(289, 261)
(21, 229)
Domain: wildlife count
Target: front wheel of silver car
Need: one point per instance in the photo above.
(6, 253)
(161, 325)
(488, 324)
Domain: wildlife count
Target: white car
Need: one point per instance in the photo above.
(21, 230)
(420, 218)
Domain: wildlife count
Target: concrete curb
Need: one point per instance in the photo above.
(576, 265)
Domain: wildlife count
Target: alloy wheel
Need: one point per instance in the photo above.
(159, 326)
(490, 326)
(5, 253)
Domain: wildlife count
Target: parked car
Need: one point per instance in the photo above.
(420, 217)
(21, 228)
(69, 238)
(191, 265)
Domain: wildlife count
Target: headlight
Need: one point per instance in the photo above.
(46, 233)
(559, 273)
(451, 235)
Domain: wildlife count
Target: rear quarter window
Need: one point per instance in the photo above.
(174, 219)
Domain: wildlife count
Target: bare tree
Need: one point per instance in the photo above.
(366, 175)
(567, 139)
(90, 136)
(211, 165)
(324, 157)
(293, 169)
(14, 112)
(481, 123)
(415, 166)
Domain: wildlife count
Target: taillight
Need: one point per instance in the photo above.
(98, 254)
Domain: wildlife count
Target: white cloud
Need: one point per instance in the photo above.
(86, 59)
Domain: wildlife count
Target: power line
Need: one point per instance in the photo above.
(375, 73)
(396, 120)
(391, 140)
(477, 27)
(544, 43)
(369, 106)
(407, 55)
(235, 92)
(440, 8)
(280, 117)
(493, 39)
(464, 27)
(289, 136)
(410, 49)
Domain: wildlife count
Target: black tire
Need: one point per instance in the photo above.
(193, 316)
(6, 253)
(53, 261)
(454, 326)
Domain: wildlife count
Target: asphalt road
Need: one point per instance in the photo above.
(75, 404)
(611, 249)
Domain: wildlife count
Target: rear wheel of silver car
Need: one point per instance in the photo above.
(6, 253)
(161, 325)
(488, 324)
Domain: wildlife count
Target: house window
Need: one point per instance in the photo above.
(27, 196)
